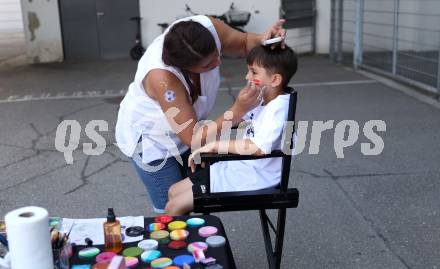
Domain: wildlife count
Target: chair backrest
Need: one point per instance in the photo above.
(288, 141)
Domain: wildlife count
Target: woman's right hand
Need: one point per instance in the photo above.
(247, 99)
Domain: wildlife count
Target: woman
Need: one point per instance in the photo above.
(175, 87)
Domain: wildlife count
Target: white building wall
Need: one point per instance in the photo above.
(11, 29)
(41, 22)
(42, 31)
(10, 16)
(166, 11)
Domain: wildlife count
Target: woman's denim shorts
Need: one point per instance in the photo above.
(158, 176)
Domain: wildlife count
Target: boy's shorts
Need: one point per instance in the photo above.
(200, 180)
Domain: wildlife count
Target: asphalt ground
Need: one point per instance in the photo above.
(354, 212)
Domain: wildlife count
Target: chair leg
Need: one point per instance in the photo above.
(267, 239)
(274, 256)
(279, 239)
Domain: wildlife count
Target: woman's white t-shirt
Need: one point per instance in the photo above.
(266, 128)
(140, 116)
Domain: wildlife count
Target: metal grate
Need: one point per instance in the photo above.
(400, 38)
(300, 24)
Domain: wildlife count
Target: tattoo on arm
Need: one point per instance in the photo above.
(170, 95)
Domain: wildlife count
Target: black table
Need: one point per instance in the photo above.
(223, 255)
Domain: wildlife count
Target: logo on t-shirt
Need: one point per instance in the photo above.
(250, 128)
(250, 131)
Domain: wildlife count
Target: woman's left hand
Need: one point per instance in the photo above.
(276, 30)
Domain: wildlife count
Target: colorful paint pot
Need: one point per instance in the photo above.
(176, 225)
(197, 245)
(161, 263)
(195, 222)
(150, 255)
(87, 253)
(131, 262)
(179, 234)
(105, 257)
(208, 231)
(156, 226)
(148, 244)
(132, 252)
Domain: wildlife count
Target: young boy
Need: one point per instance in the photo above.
(270, 70)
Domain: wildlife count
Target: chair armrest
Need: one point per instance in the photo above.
(246, 200)
(215, 157)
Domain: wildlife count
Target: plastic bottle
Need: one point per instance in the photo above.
(112, 233)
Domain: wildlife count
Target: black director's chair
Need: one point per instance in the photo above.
(280, 197)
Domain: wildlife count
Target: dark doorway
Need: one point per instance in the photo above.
(98, 29)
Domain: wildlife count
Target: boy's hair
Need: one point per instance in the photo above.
(275, 61)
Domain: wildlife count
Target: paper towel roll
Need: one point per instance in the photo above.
(27, 229)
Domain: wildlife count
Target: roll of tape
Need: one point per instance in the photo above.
(134, 231)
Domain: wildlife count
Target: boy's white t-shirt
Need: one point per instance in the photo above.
(265, 130)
